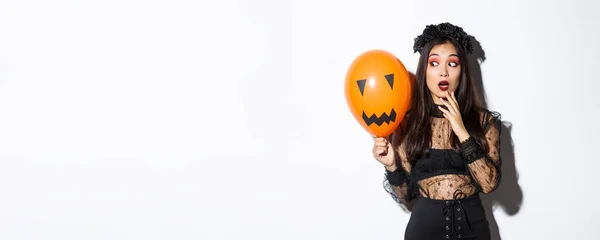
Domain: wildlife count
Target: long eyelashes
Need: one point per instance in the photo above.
(433, 61)
(452, 63)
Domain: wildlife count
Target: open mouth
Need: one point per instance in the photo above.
(384, 118)
(444, 85)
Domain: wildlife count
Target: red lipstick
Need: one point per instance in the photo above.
(444, 85)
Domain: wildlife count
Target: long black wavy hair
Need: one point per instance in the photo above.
(417, 138)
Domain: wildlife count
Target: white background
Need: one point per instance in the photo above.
(227, 119)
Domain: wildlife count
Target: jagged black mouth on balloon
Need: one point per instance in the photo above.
(384, 118)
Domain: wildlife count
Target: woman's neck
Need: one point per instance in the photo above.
(437, 100)
(435, 111)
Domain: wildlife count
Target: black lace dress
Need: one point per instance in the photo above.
(441, 188)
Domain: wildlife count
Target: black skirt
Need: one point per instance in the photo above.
(448, 219)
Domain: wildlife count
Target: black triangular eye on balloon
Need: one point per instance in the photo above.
(361, 85)
(390, 80)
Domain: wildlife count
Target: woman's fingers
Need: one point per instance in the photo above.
(448, 105)
(453, 101)
(447, 113)
(380, 146)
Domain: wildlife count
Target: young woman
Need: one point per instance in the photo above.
(447, 150)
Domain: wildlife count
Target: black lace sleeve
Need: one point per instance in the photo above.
(398, 183)
(399, 187)
(485, 164)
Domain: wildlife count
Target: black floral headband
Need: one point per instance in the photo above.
(443, 30)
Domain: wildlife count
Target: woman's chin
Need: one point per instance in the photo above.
(439, 95)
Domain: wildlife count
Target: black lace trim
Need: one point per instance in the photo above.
(436, 112)
(439, 172)
(471, 151)
(396, 178)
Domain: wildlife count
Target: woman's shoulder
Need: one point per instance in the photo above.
(489, 117)
(486, 113)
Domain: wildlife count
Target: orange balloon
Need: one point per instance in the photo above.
(377, 88)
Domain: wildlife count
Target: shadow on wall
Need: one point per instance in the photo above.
(508, 195)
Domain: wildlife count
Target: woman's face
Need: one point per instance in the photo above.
(443, 71)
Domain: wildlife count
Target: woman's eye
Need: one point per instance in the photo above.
(433, 63)
(453, 64)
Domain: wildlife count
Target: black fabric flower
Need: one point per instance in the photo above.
(443, 30)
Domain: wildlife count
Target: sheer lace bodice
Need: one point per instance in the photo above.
(443, 171)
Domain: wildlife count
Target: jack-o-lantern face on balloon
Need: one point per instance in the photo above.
(377, 90)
